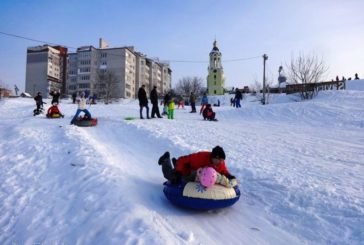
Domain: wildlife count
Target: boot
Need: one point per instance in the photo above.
(163, 158)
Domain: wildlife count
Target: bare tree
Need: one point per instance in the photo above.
(268, 84)
(307, 70)
(256, 87)
(186, 85)
(107, 83)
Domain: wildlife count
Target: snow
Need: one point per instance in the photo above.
(299, 164)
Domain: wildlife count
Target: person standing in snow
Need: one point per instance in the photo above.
(193, 102)
(39, 103)
(171, 106)
(165, 103)
(55, 96)
(143, 101)
(154, 101)
(204, 102)
(74, 96)
(238, 98)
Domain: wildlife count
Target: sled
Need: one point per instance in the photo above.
(54, 115)
(192, 195)
(86, 122)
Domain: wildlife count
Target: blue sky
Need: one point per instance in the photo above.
(178, 30)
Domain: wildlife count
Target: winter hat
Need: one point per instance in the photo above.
(207, 176)
(218, 152)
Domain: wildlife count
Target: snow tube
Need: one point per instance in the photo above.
(54, 115)
(86, 122)
(193, 195)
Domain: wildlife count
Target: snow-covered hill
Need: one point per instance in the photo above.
(300, 167)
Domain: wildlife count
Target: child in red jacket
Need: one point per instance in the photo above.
(185, 167)
(54, 112)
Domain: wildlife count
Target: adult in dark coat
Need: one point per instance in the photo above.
(143, 101)
(193, 102)
(39, 102)
(55, 96)
(154, 101)
(74, 96)
(238, 97)
(166, 99)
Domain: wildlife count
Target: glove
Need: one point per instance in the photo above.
(222, 180)
(231, 176)
(233, 182)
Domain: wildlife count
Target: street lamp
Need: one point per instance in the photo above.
(265, 57)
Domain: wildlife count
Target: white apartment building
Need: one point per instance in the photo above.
(130, 69)
(45, 69)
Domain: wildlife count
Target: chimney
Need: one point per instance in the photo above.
(103, 44)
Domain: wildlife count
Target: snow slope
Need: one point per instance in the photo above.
(300, 167)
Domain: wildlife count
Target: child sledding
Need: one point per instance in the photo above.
(54, 112)
(86, 120)
(208, 113)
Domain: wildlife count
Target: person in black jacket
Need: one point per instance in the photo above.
(154, 101)
(166, 99)
(193, 102)
(39, 103)
(238, 97)
(55, 96)
(143, 101)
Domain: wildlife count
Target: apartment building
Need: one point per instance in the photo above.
(126, 71)
(45, 69)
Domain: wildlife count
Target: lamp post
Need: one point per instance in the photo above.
(265, 57)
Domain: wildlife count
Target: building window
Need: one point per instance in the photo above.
(85, 62)
(85, 77)
(85, 69)
(84, 85)
(72, 87)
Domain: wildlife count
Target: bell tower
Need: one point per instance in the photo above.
(215, 77)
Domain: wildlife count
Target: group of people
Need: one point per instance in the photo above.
(356, 77)
(189, 167)
(235, 101)
(53, 111)
(169, 105)
(168, 102)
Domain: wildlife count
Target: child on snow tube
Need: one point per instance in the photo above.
(199, 181)
(54, 112)
(188, 168)
(208, 113)
(82, 103)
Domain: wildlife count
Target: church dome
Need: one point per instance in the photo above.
(215, 49)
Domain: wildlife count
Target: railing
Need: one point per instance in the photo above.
(297, 88)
